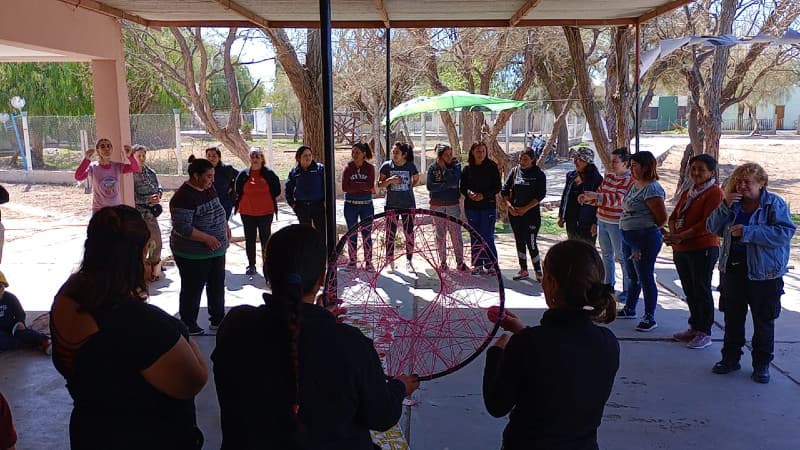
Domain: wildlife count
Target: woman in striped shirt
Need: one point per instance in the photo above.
(608, 200)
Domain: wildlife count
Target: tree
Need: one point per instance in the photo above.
(284, 101)
(49, 89)
(305, 77)
(187, 63)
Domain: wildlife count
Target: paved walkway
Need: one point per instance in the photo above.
(665, 396)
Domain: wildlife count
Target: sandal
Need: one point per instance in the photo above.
(521, 275)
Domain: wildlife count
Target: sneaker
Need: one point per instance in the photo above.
(213, 327)
(700, 340)
(725, 366)
(462, 267)
(251, 270)
(760, 375)
(490, 271)
(625, 314)
(684, 336)
(409, 266)
(47, 347)
(538, 275)
(521, 275)
(351, 265)
(647, 324)
(196, 331)
(369, 267)
(477, 270)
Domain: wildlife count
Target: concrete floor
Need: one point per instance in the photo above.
(665, 396)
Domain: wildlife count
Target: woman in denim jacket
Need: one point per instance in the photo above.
(756, 229)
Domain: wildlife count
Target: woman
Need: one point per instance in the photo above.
(147, 192)
(288, 376)
(13, 331)
(523, 191)
(608, 200)
(480, 183)
(305, 189)
(695, 249)
(399, 175)
(200, 236)
(643, 215)
(106, 174)
(131, 369)
(358, 185)
(555, 378)
(257, 189)
(580, 218)
(443, 182)
(224, 180)
(757, 229)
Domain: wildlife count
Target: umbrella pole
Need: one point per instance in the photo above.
(327, 125)
(636, 85)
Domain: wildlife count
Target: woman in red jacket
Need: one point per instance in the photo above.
(695, 249)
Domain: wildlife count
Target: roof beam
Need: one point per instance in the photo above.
(380, 6)
(246, 13)
(522, 12)
(102, 8)
(652, 14)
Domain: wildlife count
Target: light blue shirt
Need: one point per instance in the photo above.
(635, 213)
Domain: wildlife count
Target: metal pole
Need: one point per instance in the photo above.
(388, 90)
(327, 123)
(268, 114)
(423, 160)
(637, 84)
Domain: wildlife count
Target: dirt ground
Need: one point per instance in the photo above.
(775, 155)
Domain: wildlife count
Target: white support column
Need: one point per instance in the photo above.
(423, 159)
(508, 135)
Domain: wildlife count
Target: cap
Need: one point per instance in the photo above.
(584, 153)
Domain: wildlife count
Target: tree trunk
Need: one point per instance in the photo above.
(452, 133)
(585, 90)
(306, 81)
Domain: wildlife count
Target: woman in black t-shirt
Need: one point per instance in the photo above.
(131, 368)
(555, 378)
(288, 375)
(524, 189)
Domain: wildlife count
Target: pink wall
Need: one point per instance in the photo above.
(80, 35)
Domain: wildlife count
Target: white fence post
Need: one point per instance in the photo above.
(26, 141)
(508, 134)
(423, 160)
(177, 114)
(268, 112)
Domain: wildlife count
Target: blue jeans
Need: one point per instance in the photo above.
(353, 214)
(483, 221)
(610, 238)
(642, 271)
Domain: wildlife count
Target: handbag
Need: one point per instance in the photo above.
(156, 209)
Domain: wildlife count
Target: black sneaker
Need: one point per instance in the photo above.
(196, 331)
(251, 270)
(647, 324)
(760, 374)
(725, 366)
(625, 314)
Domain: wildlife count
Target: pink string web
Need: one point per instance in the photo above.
(431, 323)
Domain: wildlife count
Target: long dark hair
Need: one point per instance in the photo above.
(471, 155)
(300, 150)
(577, 268)
(215, 150)
(406, 149)
(295, 262)
(198, 166)
(364, 147)
(112, 270)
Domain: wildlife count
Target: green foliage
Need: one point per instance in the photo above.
(218, 90)
(48, 88)
(247, 131)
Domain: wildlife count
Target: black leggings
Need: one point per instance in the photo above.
(391, 233)
(312, 213)
(526, 231)
(262, 225)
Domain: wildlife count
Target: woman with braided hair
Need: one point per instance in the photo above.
(288, 375)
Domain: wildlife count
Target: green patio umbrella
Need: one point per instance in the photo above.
(453, 101)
